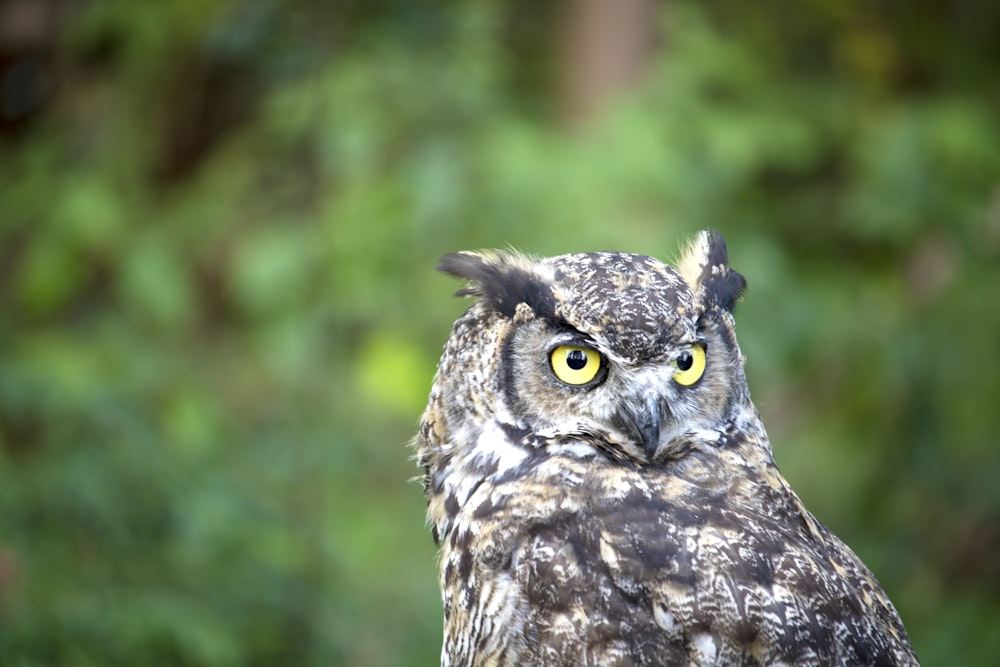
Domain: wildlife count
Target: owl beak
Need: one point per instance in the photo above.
(641, 420)
(648, 425)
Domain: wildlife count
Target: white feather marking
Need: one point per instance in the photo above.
(492, 444)
(705, 649)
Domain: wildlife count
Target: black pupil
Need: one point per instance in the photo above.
(685, 361)
(576, 359)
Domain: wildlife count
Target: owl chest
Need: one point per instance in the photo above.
(560, 577)
(579, 574)
(598, 570)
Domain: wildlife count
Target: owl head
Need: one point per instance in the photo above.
(599, 354)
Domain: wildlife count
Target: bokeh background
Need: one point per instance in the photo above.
(219, 317)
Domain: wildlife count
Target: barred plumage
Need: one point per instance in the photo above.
(635, 517)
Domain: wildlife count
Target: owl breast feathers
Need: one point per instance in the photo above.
(602, 488)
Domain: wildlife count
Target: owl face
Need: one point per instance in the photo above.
(613, 351)
(566, 384)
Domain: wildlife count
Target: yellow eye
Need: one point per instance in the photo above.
(575, 365)
(690, 366)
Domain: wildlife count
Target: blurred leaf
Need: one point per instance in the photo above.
(393, 373)
(155, 283)
(272, 269)
(90, 214)
(51, 274)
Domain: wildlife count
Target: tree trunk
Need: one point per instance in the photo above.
(606, 47)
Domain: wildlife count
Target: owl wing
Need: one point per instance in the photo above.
(733, 583)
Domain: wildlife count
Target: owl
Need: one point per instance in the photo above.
(602, 488)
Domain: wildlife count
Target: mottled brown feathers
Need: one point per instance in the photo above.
(573, 533)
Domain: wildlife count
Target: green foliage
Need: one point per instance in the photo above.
(220, 319)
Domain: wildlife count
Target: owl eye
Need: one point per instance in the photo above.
(575, 365)
(690, 365)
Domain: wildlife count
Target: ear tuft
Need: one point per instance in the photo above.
(704, 264)
(471, 266)
(501, 280)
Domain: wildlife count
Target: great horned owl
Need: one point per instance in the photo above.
(602, 488)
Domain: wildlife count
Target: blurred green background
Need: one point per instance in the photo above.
(219, 317)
